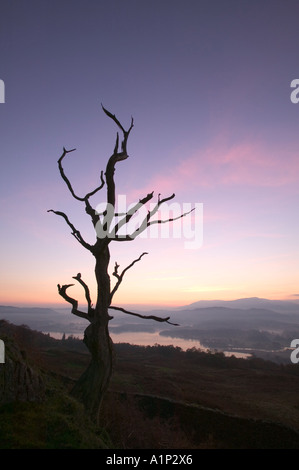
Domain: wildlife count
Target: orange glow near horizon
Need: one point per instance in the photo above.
(168, 276)
(163, 299)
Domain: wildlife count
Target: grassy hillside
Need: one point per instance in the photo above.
(159, 397)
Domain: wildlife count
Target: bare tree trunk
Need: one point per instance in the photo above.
(92, 385)
(94, 382)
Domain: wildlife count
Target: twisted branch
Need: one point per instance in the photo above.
(75, 232)
(89, 210)
(67, 181)
(86, 289)
(74, 302)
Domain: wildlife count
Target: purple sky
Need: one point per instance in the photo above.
(208, 85)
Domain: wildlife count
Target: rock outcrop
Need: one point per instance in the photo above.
(19, 381)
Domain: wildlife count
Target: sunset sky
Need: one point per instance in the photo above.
(208, 84)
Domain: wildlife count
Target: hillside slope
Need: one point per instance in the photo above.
(159, 397)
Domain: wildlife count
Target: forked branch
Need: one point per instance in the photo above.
(128, 216)
(120, 276)
(146, 222)
(125, 133)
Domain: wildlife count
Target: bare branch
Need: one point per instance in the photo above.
(126, 133)
(75, 232)
(120, 276)
(67, 181)
(146, 317)
(89, 210)
(87, 292)
(159, 203)
(170, 220)
(132, 212)
(147, 222)
(74, 302)
(115, 157)
(110, 169)
(88, 195)
(63, 174)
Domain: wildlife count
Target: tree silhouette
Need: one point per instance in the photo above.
(92, 385)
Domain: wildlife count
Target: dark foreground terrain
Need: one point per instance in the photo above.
(160, 398)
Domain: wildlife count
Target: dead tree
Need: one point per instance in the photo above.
(92, 385)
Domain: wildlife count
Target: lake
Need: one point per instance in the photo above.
(150, 339)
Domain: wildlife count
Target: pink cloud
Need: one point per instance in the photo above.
(222, 164)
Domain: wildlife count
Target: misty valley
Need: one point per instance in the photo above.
(243, 327)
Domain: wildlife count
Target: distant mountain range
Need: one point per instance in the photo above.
(281, 306)
(253, 312)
